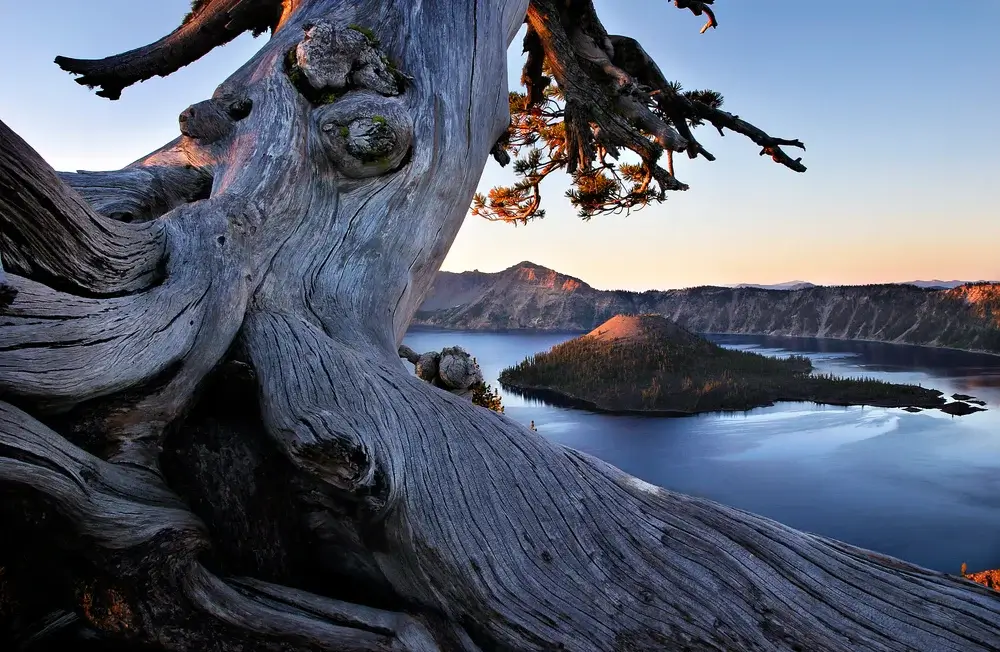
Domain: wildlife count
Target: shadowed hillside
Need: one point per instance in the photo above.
(647, 363)
(528, 296)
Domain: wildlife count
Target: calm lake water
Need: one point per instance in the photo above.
(923, 487)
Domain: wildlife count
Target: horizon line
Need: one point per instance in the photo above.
(943, 282)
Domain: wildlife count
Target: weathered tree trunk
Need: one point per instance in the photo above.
(209, 442)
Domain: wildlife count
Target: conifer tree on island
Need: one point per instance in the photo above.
(208, 440)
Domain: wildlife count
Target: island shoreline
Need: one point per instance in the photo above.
(562, 399)
(650, 365)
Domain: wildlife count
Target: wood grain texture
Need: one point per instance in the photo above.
(7, 291)
(62, 349)
(49, 232)
(140, 545)
(146, 189)
(309, 268)
(541, 546)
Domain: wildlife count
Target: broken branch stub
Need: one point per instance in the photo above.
(362, 127)
(210, 24)
(339, 59)
(206, 121)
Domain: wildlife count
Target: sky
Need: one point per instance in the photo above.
(896, 101)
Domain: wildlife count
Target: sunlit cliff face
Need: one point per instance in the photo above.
(983, 297)
(547, 278)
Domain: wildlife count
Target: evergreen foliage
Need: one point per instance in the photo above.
(484, 395)
(689, 374)
(537, 140)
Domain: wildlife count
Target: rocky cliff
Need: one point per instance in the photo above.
(529, 296)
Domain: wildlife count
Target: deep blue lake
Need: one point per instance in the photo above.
(923, 487)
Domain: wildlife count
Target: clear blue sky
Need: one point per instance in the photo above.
(896, 101)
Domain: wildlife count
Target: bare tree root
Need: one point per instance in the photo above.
(137, 575)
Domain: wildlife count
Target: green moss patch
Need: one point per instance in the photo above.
(302, 85)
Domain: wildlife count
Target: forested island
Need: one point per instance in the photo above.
(650, 364)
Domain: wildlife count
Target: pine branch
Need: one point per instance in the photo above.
(592, 96)
(630, 55)
(699, 7)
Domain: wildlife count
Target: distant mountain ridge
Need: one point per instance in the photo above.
(789, 285)
(530, 296)
(937, 284)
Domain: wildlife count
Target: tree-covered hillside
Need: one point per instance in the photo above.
(648, 363)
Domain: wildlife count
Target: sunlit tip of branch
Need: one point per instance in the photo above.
(712, 23)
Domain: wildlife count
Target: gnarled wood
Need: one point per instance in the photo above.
(144, 190)
(452, 369)
(7, 291)
(557, 547)
(334, 198)
(49, 232)
(141, 578)
(61, 350)
(138, 194)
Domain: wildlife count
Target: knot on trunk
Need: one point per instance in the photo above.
(229, 220)
(233, 100)
(205, 121)
(452, 369)
(458, 370)
(365, 134)
(336, 60)
(425, 364)
(362, 128)
(211, 120)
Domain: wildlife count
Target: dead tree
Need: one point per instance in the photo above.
(209, 442)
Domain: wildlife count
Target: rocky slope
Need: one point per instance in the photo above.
(529, 296)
